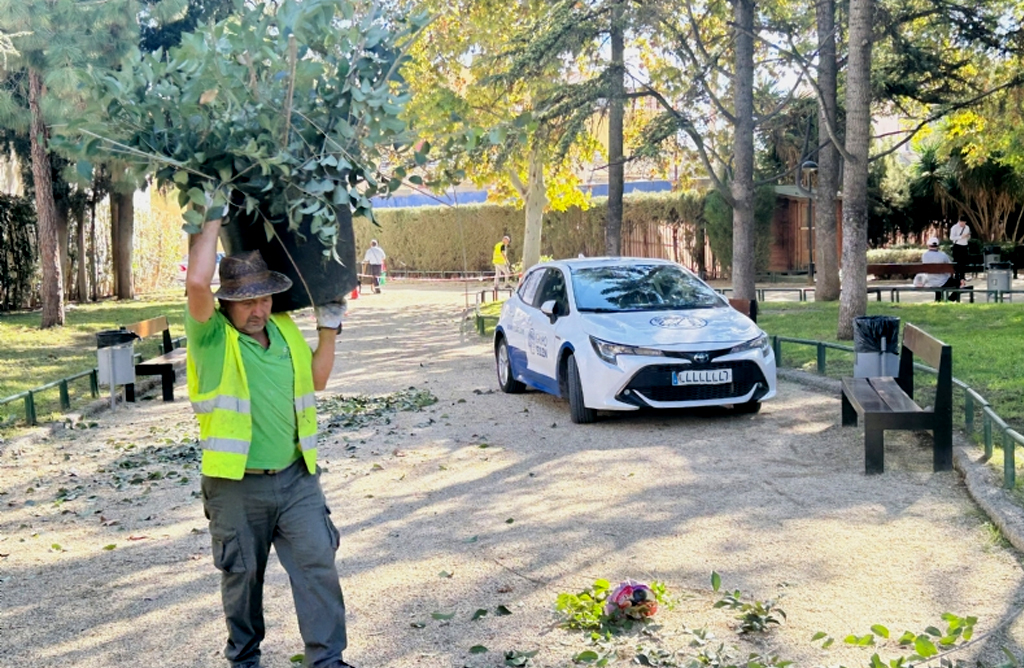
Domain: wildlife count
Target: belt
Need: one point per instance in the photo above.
(262, 471)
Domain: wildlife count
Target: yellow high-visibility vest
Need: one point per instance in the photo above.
(499, 256)
(225, 420)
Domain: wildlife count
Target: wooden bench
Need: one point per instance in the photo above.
(911, 269)
(747, 307)
(163, 365)
(888, 403)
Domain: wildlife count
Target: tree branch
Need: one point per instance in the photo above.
(1015, 81)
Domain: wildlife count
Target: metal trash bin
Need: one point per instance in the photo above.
(115, 356)
(998, 278)
(992, 255)
(875, 345)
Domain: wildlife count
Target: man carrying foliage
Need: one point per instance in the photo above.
(251, 380)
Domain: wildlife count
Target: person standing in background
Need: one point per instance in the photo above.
(960, 234)
(374, 260)
(500, 259)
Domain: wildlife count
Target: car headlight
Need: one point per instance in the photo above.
(610, 351)
(760, 343)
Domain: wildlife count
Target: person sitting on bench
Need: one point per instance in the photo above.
(934, 255)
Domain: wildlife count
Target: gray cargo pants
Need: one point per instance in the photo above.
(286, 510)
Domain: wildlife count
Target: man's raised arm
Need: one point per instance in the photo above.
(202, 263)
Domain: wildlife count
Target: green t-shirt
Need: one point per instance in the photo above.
(271, 386)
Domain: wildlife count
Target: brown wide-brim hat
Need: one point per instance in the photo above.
(246, 276)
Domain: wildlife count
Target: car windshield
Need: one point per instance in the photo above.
(640, 287)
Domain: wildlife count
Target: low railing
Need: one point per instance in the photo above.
(972, 402)
(894, 291)
(29, 396)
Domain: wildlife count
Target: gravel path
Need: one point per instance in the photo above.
(482, 500)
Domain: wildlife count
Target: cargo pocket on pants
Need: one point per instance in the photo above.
(227, 554)
(332, 531)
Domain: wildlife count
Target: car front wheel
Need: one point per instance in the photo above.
(578, 413)
(507, 382)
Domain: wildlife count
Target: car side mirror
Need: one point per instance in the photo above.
(550, 309)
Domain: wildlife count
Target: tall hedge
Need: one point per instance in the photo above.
(434, 238)
(718, 214)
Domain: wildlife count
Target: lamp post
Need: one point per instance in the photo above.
(807, 169)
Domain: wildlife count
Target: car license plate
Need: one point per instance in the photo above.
(702, 377)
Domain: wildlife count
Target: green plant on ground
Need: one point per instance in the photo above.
(586, 611)
(755, 617)
(933, 645)
(930, 645)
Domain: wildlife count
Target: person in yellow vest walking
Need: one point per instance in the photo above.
(252, 380)
(502, 267)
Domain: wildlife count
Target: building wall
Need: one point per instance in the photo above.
(793, 236)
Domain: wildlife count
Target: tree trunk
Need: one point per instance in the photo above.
(535, 199)
(123, 244)
(63, 241)
(94, 269)
(616, 112)
(52, 290)
(114, 217)
(82, 290)
(826, 260)
(743, 261)
(853, 301)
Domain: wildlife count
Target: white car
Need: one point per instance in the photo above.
(620, 334)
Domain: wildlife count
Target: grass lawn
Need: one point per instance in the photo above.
(987, 340)
(30, 357)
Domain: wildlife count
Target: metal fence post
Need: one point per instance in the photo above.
(987, 419)
(821, 358)
(777, 345)
(65, 400)
(30, 408)
(1009, 467)
(94, 384)
(969, 413)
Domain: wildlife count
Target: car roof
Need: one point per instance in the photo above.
(590, 262)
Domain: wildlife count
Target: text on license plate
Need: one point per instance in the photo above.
(702, 377)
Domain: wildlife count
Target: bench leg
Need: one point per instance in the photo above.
(167, 380)
(129, 392)
(874, 449)
(849, 415)
(943, 453)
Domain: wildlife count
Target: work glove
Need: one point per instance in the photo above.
(329, 315)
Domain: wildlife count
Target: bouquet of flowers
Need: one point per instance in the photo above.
(632, 600)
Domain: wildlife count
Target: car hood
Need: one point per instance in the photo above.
(670, 329)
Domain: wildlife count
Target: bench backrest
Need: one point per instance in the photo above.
(910, 269)
(747, 307)
(154, 326)
(934, 353)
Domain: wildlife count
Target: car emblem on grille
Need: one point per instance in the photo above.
(701, 358)
(679, 322)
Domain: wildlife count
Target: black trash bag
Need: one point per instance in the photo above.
(114, 337)
(870, 330)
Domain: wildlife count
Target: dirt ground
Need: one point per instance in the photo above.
(484, 500)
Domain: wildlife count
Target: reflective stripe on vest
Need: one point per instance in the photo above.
(223, 402)
(224, 414)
